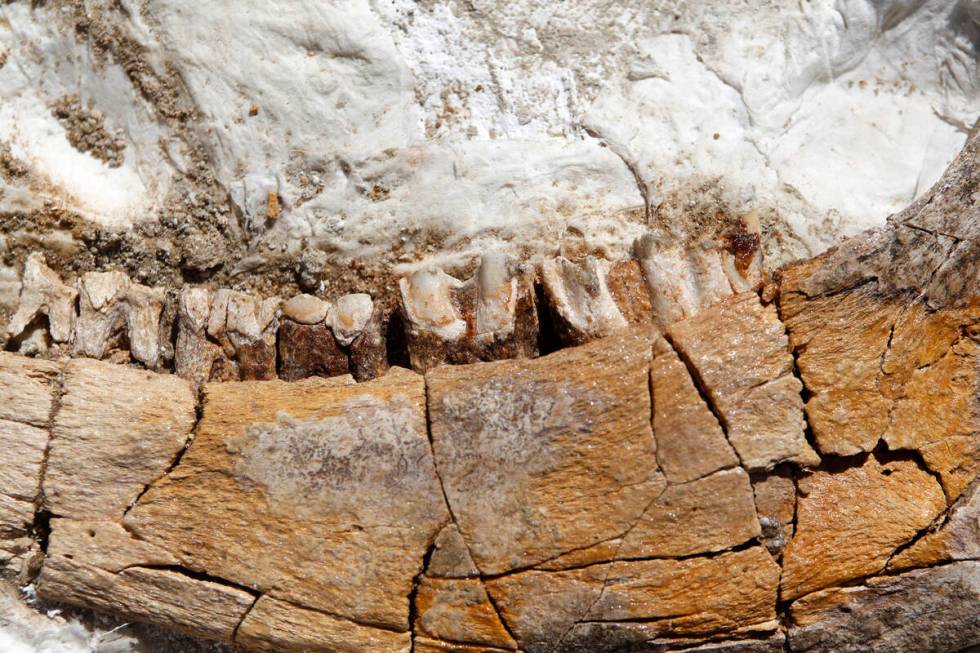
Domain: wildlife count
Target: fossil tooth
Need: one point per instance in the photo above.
(496, 295)
(369, 348)
(194, 354)
(427, 300)
(43, 293)
(115, 313)
(245, 327)
(682, 280)
(307, 346)
(349, 316)
(490, 316)
(144, 306)
(305, 309)
(580, 299)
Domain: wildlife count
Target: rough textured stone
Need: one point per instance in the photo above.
(459, 610)
(956, 539)
(27, 389)
(542, 457)
(694, 596)
(690, 442)
(738, 350)
(710, 514)
(275, 626)
(118, 429)
(451, 558)
(100, 565)
(923, 610)
(851, 520)
(775, 502)
(337, 478)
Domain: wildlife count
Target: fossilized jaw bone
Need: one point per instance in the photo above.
(43, 293)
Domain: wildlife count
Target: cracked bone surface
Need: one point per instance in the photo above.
(646, 409)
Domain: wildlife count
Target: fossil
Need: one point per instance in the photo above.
(673, 451)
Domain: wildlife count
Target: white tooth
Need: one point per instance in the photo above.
(580, 295)
(241, 317)
(144, 306)
(43, 293)
(682, 279)
(305, 309)
(707, 274)
(496, 296)
(194, 308)
(102, 312)
(428, 302)
(349, 316)
(672, 296)
(110, 303)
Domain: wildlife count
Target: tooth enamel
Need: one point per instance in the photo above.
(580, 298)
(43, 293)
(305, 309)
(427, 298)
(496, 296)
(349, 316)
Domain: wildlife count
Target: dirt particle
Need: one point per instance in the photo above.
(87, 132)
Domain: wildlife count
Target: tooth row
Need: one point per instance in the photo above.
(490, 316)
(662, 284)
(230, 335)
(222, 335)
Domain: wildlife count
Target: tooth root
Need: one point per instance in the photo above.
(307, 346)
(194, 355)
(629, 291)
(101, 324)
(245, 328)
(43, 293)
(580, 300)
(368, 350)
